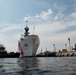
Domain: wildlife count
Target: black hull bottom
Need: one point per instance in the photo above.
(27, 56)
(10, 55)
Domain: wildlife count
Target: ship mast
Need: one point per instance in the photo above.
(26, 30)
(33, 29)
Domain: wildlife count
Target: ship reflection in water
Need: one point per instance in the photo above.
(28, 65)
(47, 66)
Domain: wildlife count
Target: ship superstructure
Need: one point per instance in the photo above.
(2, 50)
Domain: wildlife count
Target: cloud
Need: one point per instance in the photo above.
(43, 15)
(60, 8)
(73, 15)
(59, 16)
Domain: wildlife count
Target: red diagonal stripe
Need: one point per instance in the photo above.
(21, 51)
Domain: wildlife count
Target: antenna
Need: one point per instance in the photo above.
(54, 47)
(34, 29)
(69, 44)
(26, 23)
(66, 46)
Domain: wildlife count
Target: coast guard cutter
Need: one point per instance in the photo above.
(28, 44)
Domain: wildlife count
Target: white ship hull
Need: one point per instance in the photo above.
(28, 45)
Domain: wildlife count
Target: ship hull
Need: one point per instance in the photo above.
(28, 46)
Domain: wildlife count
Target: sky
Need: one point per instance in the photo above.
(54, 21)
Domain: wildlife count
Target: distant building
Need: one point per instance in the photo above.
(74, 47)
(46, 52)
(64, 50)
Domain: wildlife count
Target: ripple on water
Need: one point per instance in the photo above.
(38, 66)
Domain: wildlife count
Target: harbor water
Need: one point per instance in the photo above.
(38, 66)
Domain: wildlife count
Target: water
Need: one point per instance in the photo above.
(38, 66)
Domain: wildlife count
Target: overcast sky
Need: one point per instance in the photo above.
(54, 21)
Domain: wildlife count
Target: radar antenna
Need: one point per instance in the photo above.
(26, 30)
